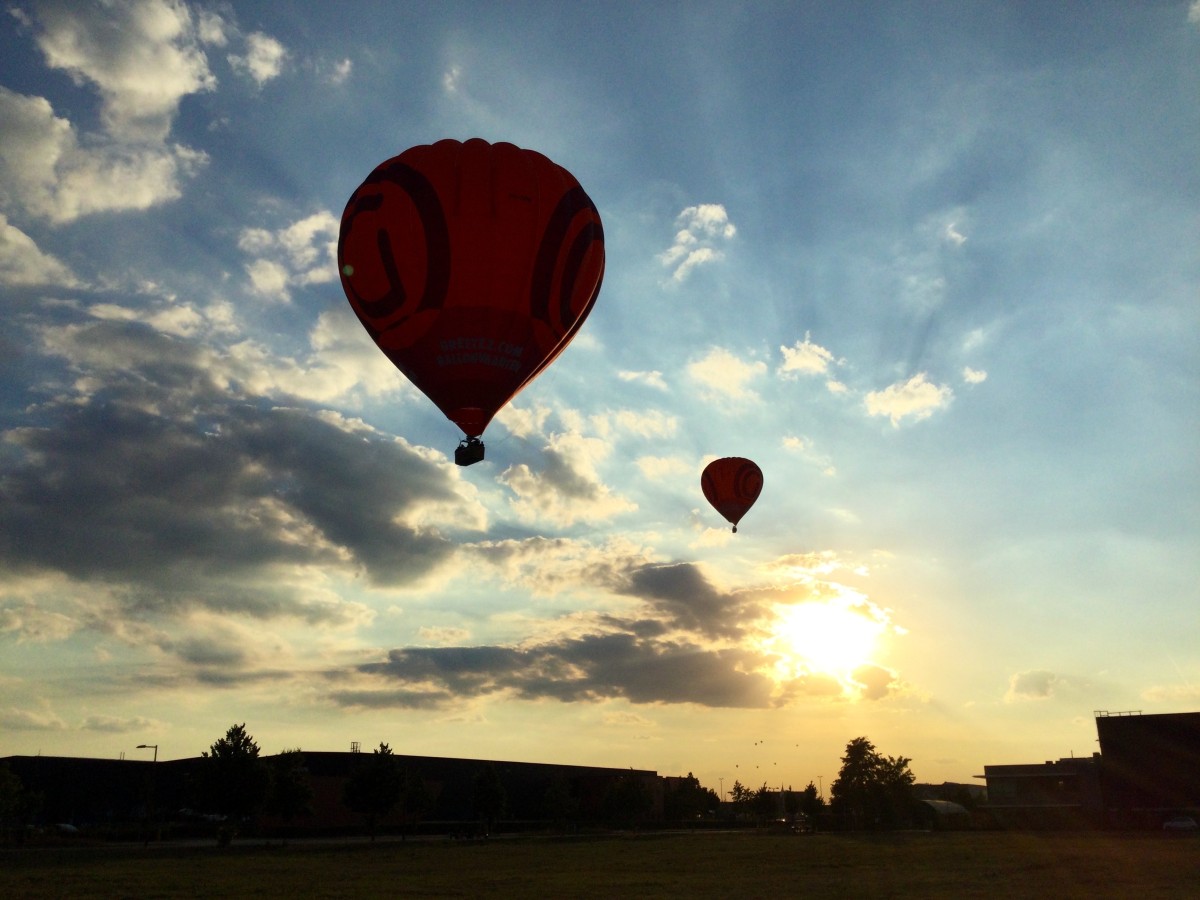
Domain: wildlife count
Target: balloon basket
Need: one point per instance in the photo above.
(469, 451)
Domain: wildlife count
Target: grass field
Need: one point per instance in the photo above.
(742, 865)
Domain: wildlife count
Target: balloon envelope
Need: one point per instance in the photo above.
(731, 485)
(471, 265)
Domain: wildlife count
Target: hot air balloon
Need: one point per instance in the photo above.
(731, 485)
(471, 265)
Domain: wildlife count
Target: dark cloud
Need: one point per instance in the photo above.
(588, 668)
(682, 592)
(172, 490)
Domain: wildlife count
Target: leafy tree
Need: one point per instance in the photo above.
(741, 797)
(291, 792)
(811, 803)
(234, 778)
(872, 790)
(764, 803)
(374, 787)
(688, 800)
(17, 805)
(490, 798)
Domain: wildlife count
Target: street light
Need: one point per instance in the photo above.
(150, 798)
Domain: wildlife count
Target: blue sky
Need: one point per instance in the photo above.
(933, 266)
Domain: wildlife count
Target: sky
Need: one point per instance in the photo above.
(933, 266)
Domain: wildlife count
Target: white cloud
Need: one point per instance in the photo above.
(657, 468)
(299, 254)
(974, 376)
(263, 59)
(143, 56)
(49, 172)
(1194, 12)
(340, 73)
(652, 379)
(702, 229)
(805, 358)
(22, 263)
(917, 398)
(722, 375)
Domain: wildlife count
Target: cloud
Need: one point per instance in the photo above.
(300, 254)
(263, 59)
(702, 230)
(567, 488)
(652, 379)
(724, 377)
(1194, 12)
(1033, 685)
(805, 358)
(143, 56)
(46, 170)
(917, 398)
(158, 477)
(118, 724)
(973, 376)
(23, 264)
(589, 668)
(14, 719)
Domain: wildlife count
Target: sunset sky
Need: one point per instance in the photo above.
(934, 266)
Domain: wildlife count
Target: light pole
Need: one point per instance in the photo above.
(150, 793)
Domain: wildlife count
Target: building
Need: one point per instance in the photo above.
(119, 794)
(1147, 770)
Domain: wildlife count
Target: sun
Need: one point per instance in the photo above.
(825, 637)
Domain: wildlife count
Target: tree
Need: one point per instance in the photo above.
(291, 792)
(375, 787)
(765, 803)
(234, 778)
(872, 790)
(811, 803)
(741, 797)
(688, 800)
(559, 803)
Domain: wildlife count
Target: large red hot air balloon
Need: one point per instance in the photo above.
(471, 265)
(732, 484)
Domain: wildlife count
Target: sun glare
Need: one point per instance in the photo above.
(826, 638)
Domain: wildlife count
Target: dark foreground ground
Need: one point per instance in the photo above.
(742, 865)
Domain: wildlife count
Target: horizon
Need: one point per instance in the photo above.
(933, 268)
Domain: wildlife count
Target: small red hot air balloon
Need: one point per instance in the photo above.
(471, 265)
(731, 485)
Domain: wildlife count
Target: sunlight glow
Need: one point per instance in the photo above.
(828, 638)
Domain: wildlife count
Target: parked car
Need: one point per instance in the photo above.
(1180, 825)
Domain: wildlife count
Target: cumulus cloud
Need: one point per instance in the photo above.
(23, 264)
(805, 358)
(160, 477)
(1194, 12)
(263, 58)
(302, 253)
(918, 398)
(703, 230)
(567, 488)
(49, 173)
(142, 56)
(973, 376)
(16, 719)
(724, 377)
(1032, 685)
(652, 378)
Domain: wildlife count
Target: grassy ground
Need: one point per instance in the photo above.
(742, 865)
